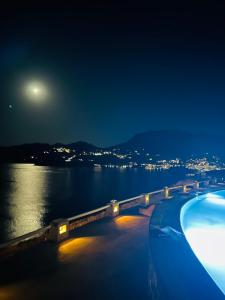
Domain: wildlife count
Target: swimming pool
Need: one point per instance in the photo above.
(203, 223)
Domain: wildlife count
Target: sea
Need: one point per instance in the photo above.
(32, 196)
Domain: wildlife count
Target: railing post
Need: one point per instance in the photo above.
(184, 188)
(166, 192)
(196, 185)
(114, 208)
(59, 230)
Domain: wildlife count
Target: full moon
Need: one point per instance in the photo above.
(36, 91)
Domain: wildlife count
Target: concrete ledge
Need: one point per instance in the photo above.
(24, 242)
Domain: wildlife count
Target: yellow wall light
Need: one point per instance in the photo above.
(147, 199)
(116, 208)
(62, 229)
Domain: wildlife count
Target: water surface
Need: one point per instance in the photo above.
(32, 196)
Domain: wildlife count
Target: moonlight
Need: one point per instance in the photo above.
(36, 91)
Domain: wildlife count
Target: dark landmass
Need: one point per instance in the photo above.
(170, 144)
(143, 148)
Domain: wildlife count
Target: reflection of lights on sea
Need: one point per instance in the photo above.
(26, 202)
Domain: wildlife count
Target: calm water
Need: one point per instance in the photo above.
(203, 223)
(32, 196)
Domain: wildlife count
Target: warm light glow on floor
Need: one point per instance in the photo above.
(7, 293)
(128, 221)
(70, 248)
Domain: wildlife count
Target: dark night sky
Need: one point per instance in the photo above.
(112, 70)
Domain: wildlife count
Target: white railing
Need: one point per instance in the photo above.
(129, 200)
(25, 237)
(86, 214)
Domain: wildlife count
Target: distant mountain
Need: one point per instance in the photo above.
(83, 146)
(20, 153)
(161, 144)
(170, 144)
(35, 152)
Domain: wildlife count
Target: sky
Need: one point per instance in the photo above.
(111, 70)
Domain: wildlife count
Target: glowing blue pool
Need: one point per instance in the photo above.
(203, 223)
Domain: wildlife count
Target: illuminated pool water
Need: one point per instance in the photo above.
(203, 223)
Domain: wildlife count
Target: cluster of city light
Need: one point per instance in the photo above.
(163, 164)
(68, 155)
(203, 165)
(69, 159)
(62, 150)
(133, 159)
(112, 166)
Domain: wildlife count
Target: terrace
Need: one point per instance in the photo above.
(110, 257)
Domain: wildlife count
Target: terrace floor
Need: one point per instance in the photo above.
(112, 259)
(104, 260)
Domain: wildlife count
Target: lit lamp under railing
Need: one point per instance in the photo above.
(59, 230)
(114, 208)
(146, 200)
(62, 229)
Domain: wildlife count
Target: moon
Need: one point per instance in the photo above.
(36, 91)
